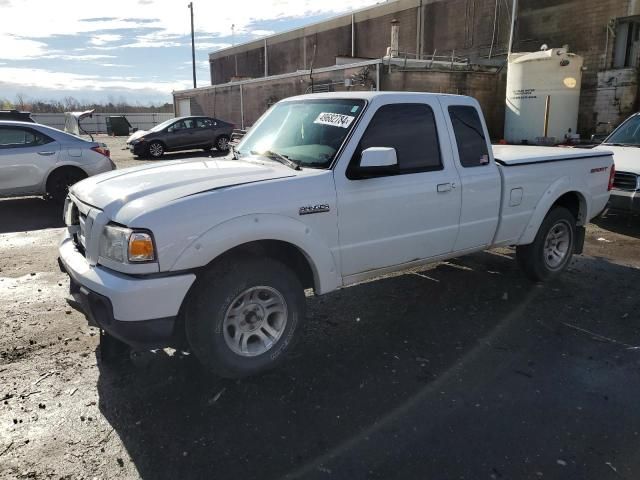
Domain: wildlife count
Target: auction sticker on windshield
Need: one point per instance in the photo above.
(334, 119)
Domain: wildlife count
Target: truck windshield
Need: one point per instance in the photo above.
(307, 132)
(626, 134)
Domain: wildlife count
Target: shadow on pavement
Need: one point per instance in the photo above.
(620, 222)
(29, 213)
(465, 370)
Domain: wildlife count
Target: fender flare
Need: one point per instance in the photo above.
(551, 195)
(255, 227)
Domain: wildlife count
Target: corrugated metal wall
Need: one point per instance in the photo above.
(97, 124)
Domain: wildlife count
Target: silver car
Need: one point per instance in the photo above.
(39, 160)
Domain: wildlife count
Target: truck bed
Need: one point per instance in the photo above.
(514, 155)
(527, 191)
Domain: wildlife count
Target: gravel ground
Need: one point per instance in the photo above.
(462, 370)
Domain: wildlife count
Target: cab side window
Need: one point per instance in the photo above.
(13, 137)
(410, 128)
(470, 138)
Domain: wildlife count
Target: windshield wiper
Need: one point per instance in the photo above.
(278, 157)
(622, 144)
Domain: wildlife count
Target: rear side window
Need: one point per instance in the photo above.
(21, 137)
(470, 139)
(204, 123)
(410, 128)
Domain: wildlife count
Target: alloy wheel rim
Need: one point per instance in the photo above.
(557, 245)
(156, 149)
(255, 321)
(223, 143)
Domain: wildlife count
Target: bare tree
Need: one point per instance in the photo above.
(20, 103)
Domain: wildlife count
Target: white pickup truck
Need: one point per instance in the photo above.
(325, 191)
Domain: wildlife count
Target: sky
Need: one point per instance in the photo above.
(133, 50)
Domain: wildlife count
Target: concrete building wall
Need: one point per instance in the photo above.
(477, 29)
(485, 87)
(244, 102)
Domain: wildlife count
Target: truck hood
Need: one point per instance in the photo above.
(626, 159)
(153, 185)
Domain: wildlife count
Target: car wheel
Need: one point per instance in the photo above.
(60, 180)
(244, 316)
(553, 247)
(156, 149)
(222, 143)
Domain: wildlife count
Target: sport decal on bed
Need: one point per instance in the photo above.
(334, 119)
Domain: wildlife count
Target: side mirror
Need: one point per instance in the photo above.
(375, 157)
(376, 161)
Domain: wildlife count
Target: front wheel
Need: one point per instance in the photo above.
(244, 316)
(222, 144)
(553, 247)
(156, 149)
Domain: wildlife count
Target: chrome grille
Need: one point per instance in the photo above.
(625, 181)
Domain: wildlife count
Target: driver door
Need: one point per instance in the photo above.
(403, 215)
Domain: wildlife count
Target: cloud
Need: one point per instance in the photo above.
(104, 38)
(115, 65)
(16, 48)
(76, 57)
(46, 18)
(47, 79)
(211, 46)
(262, 33)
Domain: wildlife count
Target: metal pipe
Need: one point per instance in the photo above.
(241, 109)
(193, 46)
(353, 35)
(378, 76)
(266, 59)
(514, 10)
(547, 106)
(493, 35)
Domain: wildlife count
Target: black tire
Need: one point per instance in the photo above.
(155, 150)
(535, 260)
(222, 143)
(60, 180)
(217, 292)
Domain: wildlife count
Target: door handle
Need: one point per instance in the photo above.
(46, 154)
(444, 187)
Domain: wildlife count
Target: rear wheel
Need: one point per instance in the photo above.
(553, 247)
(222, 143)
(156, 149)
(60, 180)
(244, 316)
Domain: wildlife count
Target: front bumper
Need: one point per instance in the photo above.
(625, 200)
(139, 311)
(139, 148)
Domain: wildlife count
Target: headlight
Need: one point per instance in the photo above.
(138, 140)
(125, 245)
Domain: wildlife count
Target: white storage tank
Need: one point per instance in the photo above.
(543, 93)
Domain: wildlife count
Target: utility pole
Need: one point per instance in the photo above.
(193, 47)
(514, 10)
